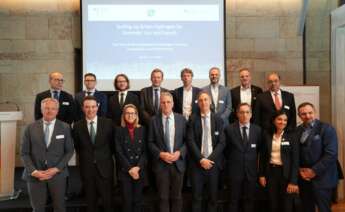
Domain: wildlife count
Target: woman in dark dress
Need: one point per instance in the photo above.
(279, 165)
(130, 142)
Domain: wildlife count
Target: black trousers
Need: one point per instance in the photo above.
(279, 199)
(315, 197)
(200, 179)
(95, 185)
(132, 192)
(242, 192)
(169, 185)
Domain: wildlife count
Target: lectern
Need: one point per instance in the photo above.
(8, 135)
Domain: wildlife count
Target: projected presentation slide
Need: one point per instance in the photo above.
(134, 37)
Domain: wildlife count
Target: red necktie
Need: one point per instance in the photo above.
(277, 102)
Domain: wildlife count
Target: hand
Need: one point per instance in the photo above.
(310, 173)
(262, 181)
(134, 172)
(292, 188)
(307, 173)
(166, 157)
(52, 171)
(206, 163)
(41, 175)
(176, 155)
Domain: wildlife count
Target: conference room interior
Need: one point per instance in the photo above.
(303, 41)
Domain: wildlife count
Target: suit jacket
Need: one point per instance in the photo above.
(99, 153)
(320, 153)
(146, 104)
(236, 100)
(194, 139)
(289, 153)
(265, 109)
(66, 109)
(130, 153)
(115, 109)
(178, 100)
(101, 100)
(37, 156)
(242, 158)
(156, 143)
(224, 102)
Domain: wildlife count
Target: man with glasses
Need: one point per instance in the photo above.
(90, 82)
(273, 100)
(66, 102)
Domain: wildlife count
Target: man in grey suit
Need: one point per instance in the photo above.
(220, 96)
(46, 148)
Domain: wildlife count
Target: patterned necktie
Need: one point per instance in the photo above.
(46, 133)
(167, 134)
(56, 95)
(122, 101)
(277, 102)
(205, 144)
(156, 105)
(244, 134)
(92, 132)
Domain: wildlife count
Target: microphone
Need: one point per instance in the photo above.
(11, 103)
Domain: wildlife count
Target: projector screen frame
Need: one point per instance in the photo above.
(79, 75)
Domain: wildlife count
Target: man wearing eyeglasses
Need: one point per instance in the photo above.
(66, 102)
(90, 82)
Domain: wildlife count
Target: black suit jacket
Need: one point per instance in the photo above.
(265, 109)
(178, 100)
(115, 109)
(236, 100)
(66, 109)
(194, 139)
(99, 153)
(101, 100)
(289, 153)
(156, 142)
(242, 159)
(130, 153)
(146, 104)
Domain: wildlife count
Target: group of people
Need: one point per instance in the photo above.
(248, 135)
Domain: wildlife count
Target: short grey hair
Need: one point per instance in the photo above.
(49, 99)
(166, 93)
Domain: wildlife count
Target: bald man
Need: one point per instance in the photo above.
(66, 102)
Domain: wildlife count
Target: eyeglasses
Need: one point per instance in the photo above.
(130, 114)
(59, 80)
(90, 80)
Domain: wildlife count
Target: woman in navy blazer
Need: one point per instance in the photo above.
(130, 142)
(279, 164)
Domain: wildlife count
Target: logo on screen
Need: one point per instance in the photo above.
(151, 12)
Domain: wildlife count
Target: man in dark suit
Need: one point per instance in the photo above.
(275, 99)
(46, 148)
(149, 96)
(166, 142)
(220, 96)
(243, 142)
(318, 160)
(246, 92)
(66, 108)
(93, 139)
(90, 82)
(206, 142)
(121, 98)
(185, 102)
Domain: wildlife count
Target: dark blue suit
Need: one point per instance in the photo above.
(101, 100)
(242, 165)
(319, 152)
(178, 100)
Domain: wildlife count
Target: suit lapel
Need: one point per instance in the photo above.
(85, 131)
(150, 98)
(270, 100)
(239, 135)
(40, 131)
(213, 128)
(99, 129)
(53, 138)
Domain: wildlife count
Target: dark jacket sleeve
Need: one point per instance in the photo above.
(294, 159)
(25, 151)
(193, 147)
(69, 149)
(154, 150)
(220, 146)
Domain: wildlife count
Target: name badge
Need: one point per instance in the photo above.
(285, 143)
(60, 136)
(253, 145)
(221, 101)
(65, 103)
(216, 132)
(196, 101)
(286, 107)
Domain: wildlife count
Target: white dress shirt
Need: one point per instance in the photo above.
(275, 153)
(247, 130)
(187, 102)
(209, 136)
(215, 94)
(124, 95)
(51, 129)
(246, 95)
(171, 129)
(94, 124)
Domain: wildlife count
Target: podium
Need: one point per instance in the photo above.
(8, 137)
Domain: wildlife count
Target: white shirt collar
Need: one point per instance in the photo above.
(171, 116)
(94, 120)
(92, 90)
(244, 89)
(52, 122)
(244, 125)
(207, 115)
(124, 92)
(279, 92)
